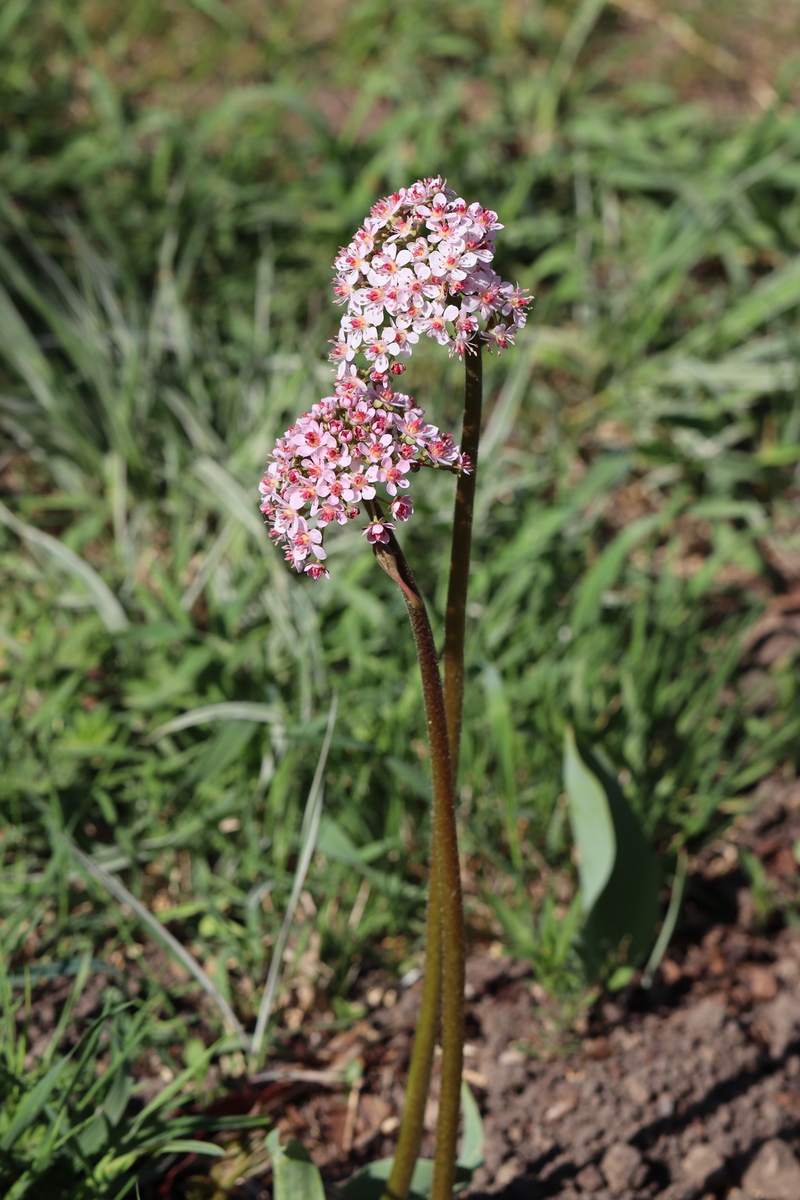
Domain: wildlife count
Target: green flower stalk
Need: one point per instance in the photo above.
(419, 266)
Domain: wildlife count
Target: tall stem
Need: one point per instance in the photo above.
(456, 615)
(446, 880)
(419, 1072)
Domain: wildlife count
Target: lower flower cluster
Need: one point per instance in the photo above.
(361, 439)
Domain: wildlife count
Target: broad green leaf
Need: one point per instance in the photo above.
(369, 1183)
(471, 1154)
(591, 822)
(294, 1175)
(621, 921)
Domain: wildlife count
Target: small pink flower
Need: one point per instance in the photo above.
(392, 475)
(435, 326)
(499, 336)
(401, 508)
(378, 531)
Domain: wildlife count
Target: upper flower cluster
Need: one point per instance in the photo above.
(420, 264)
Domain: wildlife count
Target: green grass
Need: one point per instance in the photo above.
(165, 241)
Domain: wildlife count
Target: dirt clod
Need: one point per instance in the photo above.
(774, 1173)
(589, 1179)
(703, 1167)
(623, 1167)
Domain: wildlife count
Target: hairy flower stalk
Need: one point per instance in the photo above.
(420, 266)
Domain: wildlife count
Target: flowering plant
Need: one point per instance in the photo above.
(419, 266)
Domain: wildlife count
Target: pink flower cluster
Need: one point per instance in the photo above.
(420, 264)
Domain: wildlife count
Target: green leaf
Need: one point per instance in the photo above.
(92, 1139)
(369, 1183)
(333, 842)
(603, 574)
(620, 979)
(518, 930)
(191, 1146)
(622, 918)
(229, 710)
(670, 920)
(118, 1094)
(471, 1155)
(295, 1176)
(32, 1105)
(591, 822)
(109, 609)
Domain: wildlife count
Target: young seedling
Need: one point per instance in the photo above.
(420, 266)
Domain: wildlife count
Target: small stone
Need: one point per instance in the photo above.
(703, 1167)
(597, 1048)
(774, 1173)
(665, 1105)
(724, 1118)
(589, 1179)
(561, 1107)
(762, 983)
(771, 1118)
(512, 1058)
(511, 1169)
(705, 1018)
(787, 970)
(623, 1167)
(515, 1133)
(782, 1016)
(638, 1090)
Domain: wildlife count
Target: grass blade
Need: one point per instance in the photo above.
(162, 935)
(109, 609)
(308, 840)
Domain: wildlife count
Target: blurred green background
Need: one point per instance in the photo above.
(176, 179)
